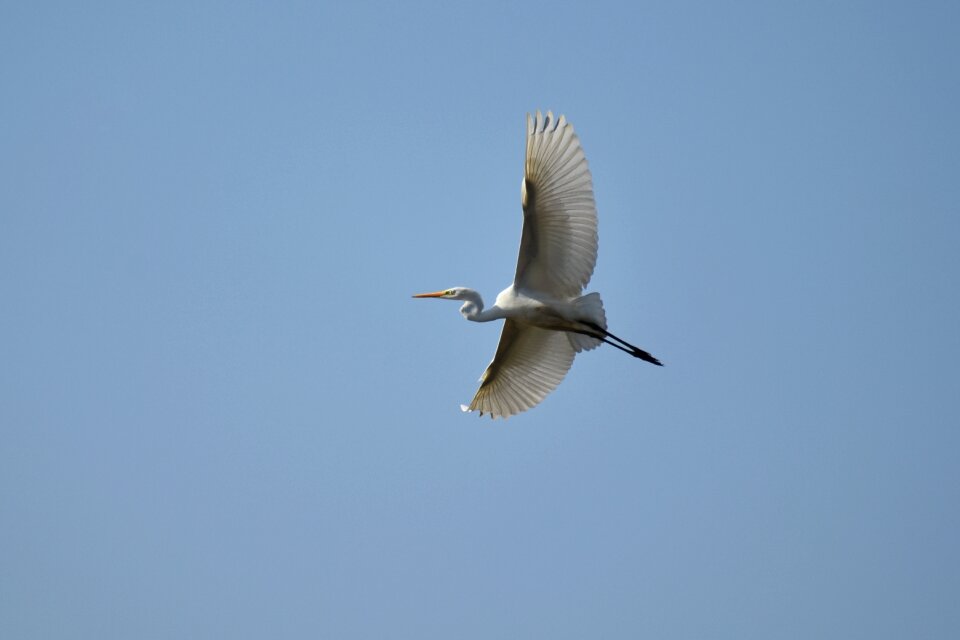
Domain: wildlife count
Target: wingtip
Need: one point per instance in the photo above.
(538, 122)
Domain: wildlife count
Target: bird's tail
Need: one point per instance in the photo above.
(589, 308)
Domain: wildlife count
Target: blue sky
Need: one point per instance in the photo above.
(223, 416)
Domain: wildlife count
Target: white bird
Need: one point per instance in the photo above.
(547, 320)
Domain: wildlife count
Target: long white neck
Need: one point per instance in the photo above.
(473, 309)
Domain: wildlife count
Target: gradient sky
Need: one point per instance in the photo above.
(222, 415)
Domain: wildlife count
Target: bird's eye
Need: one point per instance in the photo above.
(448, 292)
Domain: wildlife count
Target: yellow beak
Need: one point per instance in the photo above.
(435, 294)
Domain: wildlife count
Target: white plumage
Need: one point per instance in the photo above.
(547, 321)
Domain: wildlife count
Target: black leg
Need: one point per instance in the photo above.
(636, 352)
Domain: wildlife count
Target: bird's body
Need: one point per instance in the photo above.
(530, 308)
(547, 320)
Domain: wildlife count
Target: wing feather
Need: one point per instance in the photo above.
(558, 246)
(529, 364)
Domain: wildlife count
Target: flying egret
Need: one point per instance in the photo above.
(547, 320)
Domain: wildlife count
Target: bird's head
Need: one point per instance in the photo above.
(472, 305)
(455, 293)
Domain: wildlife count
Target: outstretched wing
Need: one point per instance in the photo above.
(558, 247)
(528, 365)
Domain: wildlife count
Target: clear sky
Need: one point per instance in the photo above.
(222, 415)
